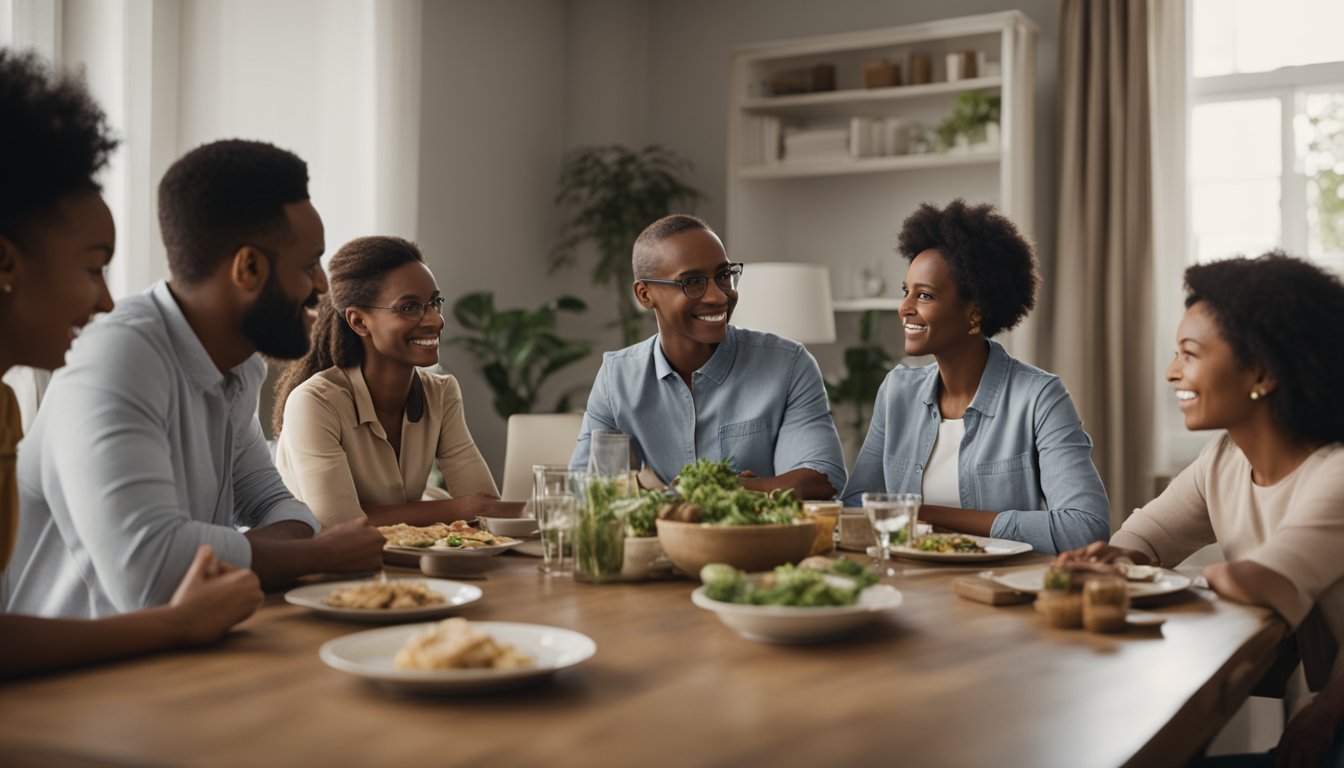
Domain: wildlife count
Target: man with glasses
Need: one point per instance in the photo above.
(148, 444)
(702, 388)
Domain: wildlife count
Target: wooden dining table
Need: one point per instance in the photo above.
(940, 681)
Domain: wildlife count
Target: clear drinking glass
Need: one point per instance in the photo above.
(609, 453)
(556, 503)
(891, 512)
(599, 536)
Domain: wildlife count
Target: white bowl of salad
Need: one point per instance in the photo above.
(795, 604)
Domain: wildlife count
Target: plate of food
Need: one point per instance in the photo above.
(959, 548)
(457, 656)
(381, 601)
(406, 544)
(818, 600)
(1143, 583)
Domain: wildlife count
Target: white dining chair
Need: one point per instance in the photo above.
(536, 438)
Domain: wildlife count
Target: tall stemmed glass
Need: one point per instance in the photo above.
(888, 513)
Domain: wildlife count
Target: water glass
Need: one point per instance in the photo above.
(888, 513)
(555, 501)
(609, 453)
(599, 535)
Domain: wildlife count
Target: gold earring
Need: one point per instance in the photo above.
(7, 288)
(1255, 394)
(974, 329)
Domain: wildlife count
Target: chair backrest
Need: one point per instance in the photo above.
(536, 438)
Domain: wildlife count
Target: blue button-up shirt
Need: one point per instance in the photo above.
(759, 402)
(141, 452)
(1024, 454)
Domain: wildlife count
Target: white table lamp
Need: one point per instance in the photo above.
(791, 300)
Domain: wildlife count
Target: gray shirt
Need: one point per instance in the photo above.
(141, 452)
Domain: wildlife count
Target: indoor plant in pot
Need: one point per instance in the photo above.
(610, 194)
(518, 349)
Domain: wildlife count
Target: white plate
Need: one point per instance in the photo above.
(531, 548)
(1033, 580)
(409, 557)
(995, 549)
(788, 624)
(369, 655)
(455, 596)
(513, 527)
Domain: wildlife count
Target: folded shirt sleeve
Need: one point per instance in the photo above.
(1077, 512)
(807, 436)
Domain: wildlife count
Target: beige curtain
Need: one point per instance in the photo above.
(1101, 306)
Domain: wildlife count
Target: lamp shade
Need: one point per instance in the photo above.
(791, 300)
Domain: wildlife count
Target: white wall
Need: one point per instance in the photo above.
(510, 85)
(689, 50)
(493, 100)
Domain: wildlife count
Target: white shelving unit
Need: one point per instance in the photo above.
(846, 212)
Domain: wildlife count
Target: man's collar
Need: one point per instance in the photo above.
(191, 356)
(716, 368)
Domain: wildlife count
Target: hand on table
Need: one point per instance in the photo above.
(212, 597)
(1101, 552)
(352, 546)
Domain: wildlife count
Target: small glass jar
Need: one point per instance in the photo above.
(1062, 610)
(1105, 604)
(826, 516)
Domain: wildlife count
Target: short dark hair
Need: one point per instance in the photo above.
(642, 260)
(53, 140)
(991, 263)
(218, 195)
(1284, 315)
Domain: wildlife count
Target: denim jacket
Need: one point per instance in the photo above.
(1024, 454)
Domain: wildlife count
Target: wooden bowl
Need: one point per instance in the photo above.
(692, 546)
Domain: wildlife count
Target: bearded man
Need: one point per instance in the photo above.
(147, 444)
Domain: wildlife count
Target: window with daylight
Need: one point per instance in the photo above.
(1266, 152)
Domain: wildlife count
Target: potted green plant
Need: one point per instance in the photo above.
(973, 113)
(518, 349)
(866, 365)
(610, 194)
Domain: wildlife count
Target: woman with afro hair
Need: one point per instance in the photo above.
(994, 445)
(56, 239)
(1256, 356)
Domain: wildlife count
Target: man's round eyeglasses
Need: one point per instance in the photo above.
(412, 310)
(694, 287)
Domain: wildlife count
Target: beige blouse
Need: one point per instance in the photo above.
(1293, 527)
(334, 455)
(11, 430)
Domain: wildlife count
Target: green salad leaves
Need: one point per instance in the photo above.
(837, 585)
(715, 489)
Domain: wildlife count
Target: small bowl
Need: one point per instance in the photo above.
(513, 527)
(466, 567)
(692, 546)
(786, 624)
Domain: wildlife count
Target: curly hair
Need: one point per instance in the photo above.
(1282, 314)
(355, 278)
(220, 194)
(53, 140)
(991, 263)
(643, 261)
